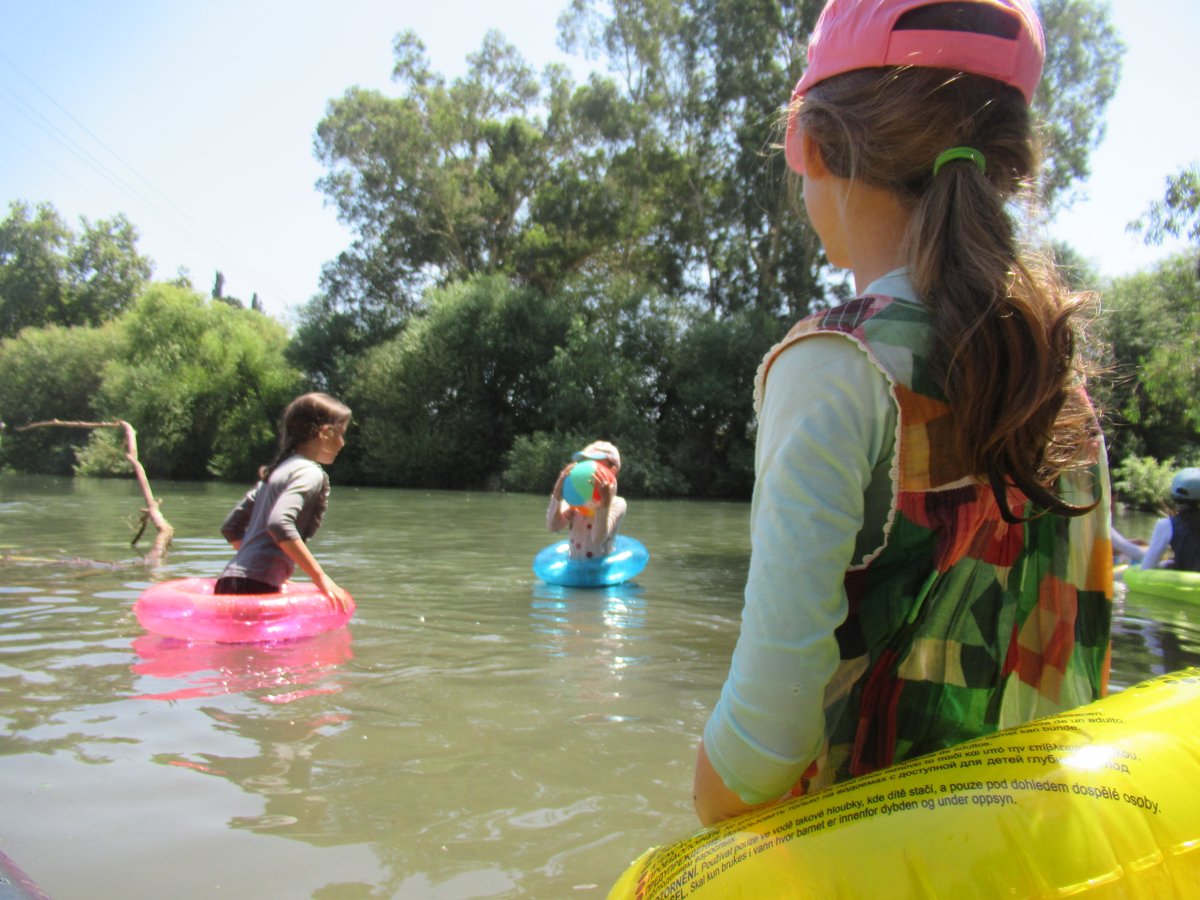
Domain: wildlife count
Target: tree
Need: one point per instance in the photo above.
(1151, 322)
(1082, 71)
(203, 383)
(434, 181)
(51, 276)
(609, 378)
(708, 416)
(104, 270)
(441, 404)
(332, 334)
(50, 373)
(32, 246)
(1178, 213)
(705, 79)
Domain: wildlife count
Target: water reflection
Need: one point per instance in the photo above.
(562, 614)
(210, 670)
(594, 630)
(1152, 636)
(282, 769)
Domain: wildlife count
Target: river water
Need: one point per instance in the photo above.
(473, 733)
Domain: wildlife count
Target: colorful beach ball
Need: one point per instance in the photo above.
(579, 487)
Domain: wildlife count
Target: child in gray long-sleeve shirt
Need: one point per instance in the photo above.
(271, 524)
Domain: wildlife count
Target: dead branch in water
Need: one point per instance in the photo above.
(151, 512)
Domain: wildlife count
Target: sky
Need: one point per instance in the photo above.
(195, 119)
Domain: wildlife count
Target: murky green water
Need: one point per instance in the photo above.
(473, 733)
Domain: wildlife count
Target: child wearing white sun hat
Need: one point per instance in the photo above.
(585, 500)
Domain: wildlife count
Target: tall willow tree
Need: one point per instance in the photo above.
(706, 79)
(435, 181)
(709, 79)
(1083, 69)
(436, 184)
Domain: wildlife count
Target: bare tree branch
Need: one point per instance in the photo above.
(151, 511)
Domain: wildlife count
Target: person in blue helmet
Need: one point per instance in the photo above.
(1180, 532)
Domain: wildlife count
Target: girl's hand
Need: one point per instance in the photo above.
(339, 596)
(606, 484)
(715, 802)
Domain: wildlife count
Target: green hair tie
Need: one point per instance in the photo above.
(959, 153)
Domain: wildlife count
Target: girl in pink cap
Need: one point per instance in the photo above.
(930, 525)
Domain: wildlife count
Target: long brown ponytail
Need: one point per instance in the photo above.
(1005, 327)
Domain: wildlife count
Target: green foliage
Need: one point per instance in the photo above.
(679, 407)
(537, 263)
(1151, 324)
(202, 382)
(442, 403)
(50, 373)
(1144, 482)
(103, 455)
(703, 82)
(534, 461)
(32, 248)
(1080, 77)
(609, 378)
(433, 181)
(51, 276)
(709, 422)
(331, 336)
(1078, 273)
(104, 270)
(1178, 213)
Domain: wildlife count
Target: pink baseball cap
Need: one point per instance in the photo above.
(863, 34)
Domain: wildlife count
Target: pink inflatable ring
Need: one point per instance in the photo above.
(189, 610)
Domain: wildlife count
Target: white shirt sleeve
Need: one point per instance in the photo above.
(828, 420)
(1160, 540)
(1125, 547)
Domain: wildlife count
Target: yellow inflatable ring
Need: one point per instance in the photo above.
(1102, 801)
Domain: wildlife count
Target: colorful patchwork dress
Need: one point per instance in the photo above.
(960, 623)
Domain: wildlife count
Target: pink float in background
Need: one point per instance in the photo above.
(188, 609)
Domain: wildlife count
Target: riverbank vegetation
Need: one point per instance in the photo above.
(535, 263)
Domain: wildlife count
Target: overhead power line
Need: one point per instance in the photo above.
(164, 208)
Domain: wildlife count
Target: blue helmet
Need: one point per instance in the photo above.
(1186, 485)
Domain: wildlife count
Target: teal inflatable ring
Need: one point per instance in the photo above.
(554, 565)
